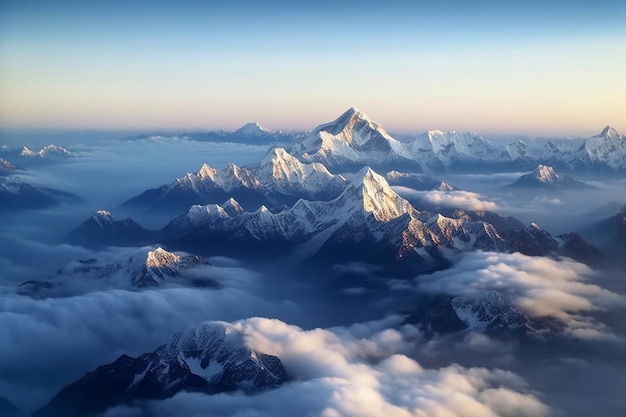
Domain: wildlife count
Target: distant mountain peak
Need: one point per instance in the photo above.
(103, 217)
(546, 174)
(609, 132)
(348, 121)
(160, 257)
(252, 129)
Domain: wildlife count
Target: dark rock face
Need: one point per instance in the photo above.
(102, 229)
(210, 359)
(490, 311)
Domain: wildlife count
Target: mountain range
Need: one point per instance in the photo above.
(354, 140)
(26, 156)
(279, 180)
(251, 133)
(367, 221)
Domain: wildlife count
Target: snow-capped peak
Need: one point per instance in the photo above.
(252, 129)
(348, 121)
(278, 155)
(546, 174)
(609, 132)
(102, 217)
(206, 172)
(378, 197)
(160, 257)
(231, 206)
(284, 173)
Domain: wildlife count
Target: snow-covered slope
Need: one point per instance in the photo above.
(280, 172)
(368, 214)
(6, 168)
(490, 310)
(128, 268)
(47, 153)
(352, 139)
(278, 180)
(252, 129)
(143, 267)
(545, 177)
(436, 149)
(212, 358)
(420, 182)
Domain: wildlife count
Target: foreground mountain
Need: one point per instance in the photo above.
(102, 229)
(212, 358)
(353, 140)
(278, 180)
(545, 178)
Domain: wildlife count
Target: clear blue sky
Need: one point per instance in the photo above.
(529, 67)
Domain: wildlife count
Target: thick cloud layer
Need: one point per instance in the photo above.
(542, 288)
(47, 343)
(363, 370)
(457, 199)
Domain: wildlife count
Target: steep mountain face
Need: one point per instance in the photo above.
(367, 219)
(279, 179)
(609, 234)
(453, 150)
(544, 177)
(352, 140)
(212, 358)
(18, 195)
(102, 229)
(281, 173)
(491, 311)
(419, 182)
(607, 148)
(6, 168)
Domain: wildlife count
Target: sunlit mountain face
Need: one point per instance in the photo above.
(343, 270)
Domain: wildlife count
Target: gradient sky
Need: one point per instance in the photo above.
(527, 67)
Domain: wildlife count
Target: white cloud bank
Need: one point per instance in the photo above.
(543, 288)
(360, 371)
